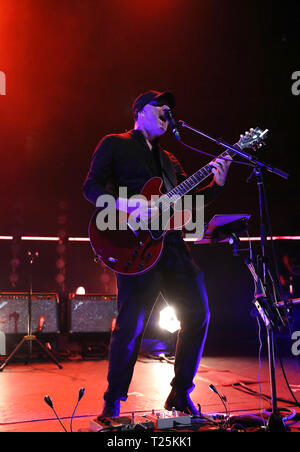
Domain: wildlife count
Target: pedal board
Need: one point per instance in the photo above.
(149, 421)
(120, 423)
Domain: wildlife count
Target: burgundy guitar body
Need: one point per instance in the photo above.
(132, 252)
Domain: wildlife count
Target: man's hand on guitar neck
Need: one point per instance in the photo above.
(220, 170)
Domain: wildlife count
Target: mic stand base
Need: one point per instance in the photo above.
(275, 423)
(30, 338)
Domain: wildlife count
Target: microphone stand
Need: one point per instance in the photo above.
(245, 155)
(30, 337)
(266, 290)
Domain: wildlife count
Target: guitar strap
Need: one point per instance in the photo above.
(168, 184)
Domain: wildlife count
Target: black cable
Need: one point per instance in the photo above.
(259, 366)
(216, 156)
(245, 389)
(283, 372)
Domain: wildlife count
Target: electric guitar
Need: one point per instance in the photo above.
(131, 250)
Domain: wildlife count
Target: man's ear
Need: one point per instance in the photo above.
(141, 113)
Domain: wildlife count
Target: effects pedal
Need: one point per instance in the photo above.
(121, 423)
(169, 419)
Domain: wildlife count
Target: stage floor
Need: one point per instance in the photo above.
(23, 387)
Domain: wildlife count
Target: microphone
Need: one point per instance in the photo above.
(222, 397)
(169, 117)
(80, 395)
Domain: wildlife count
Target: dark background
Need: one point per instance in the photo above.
(73, 69)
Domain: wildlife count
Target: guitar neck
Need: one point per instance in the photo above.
(195, 179)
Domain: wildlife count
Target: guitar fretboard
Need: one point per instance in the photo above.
(195, 179)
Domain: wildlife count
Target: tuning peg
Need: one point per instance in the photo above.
(241, 135)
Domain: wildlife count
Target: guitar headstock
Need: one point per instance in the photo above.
(253, 139)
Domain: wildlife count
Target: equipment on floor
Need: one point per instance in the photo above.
(14, 313)
(29, 338)
(92, 313)
(155, 420)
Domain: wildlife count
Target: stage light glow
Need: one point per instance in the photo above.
(168, 320)
(41, 239)
(251, 239)
(86, 239)
(80, 290)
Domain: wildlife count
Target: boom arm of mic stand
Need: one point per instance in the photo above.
(243, 154)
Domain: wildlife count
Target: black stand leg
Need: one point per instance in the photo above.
(12, 354)
(30, 340)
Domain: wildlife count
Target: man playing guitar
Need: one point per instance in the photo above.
(130, 160)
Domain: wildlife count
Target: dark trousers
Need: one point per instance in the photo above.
(181, 283)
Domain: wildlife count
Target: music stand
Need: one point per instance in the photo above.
(224, 228)
(29, 337)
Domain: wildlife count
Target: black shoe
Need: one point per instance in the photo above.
(111, 409)
(181, 401)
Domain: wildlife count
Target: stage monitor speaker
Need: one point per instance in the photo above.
(91, 313)
(14, 313)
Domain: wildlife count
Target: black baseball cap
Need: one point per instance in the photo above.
(143, 99)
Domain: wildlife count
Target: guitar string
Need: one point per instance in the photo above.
(188, 184)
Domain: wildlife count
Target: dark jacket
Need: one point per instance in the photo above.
(125, 160)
